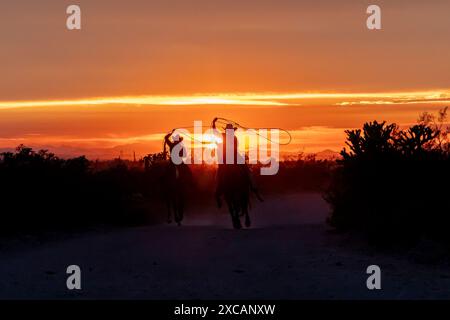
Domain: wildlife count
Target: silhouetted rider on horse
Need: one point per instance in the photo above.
(176, 179)
(238, 164)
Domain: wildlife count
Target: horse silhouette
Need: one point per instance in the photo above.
(176, 180)
(236, 190)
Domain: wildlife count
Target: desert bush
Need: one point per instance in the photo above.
(39, 192)
(392, 184)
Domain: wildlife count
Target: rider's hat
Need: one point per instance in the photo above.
(230, 126)
(177, 137)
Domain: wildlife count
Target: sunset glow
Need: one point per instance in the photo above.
(255, 99)
(115, 89)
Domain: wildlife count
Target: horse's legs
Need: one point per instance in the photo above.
(236, 221)
(234, 215)
(169, 211)
(240, 212)
(248, 223)
(245, 205)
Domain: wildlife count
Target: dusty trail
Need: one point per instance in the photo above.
(288, 254)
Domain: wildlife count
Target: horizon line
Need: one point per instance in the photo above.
(437, 96)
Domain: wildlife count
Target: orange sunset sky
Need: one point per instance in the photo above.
(140, 68)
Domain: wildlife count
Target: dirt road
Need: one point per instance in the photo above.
(287, 254)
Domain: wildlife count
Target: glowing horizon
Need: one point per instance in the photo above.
(311, 68)
(437, 96)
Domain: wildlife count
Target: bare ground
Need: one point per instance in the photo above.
(287, 254)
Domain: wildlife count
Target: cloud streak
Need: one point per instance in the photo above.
(249, 99)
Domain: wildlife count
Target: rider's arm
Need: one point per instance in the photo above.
(216, 132)
(167, 140)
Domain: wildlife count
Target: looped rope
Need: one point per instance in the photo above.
(225, 121)
(182, 133)
(188, 135)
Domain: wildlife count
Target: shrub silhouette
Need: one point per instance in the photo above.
(392, 184)
(41, 192)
